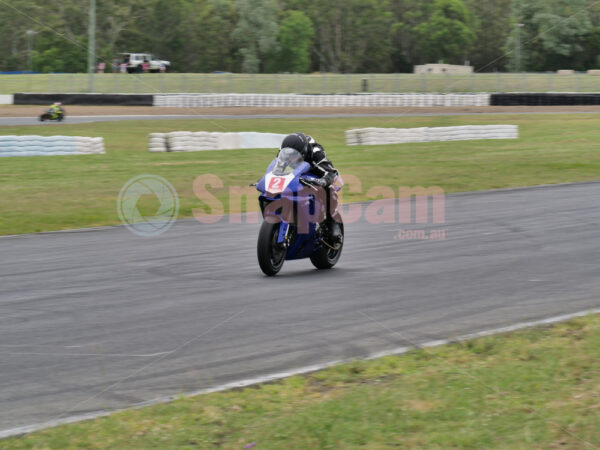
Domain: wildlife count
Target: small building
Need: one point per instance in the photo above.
(441, 69)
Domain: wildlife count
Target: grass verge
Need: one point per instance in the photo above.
(536, 388)
(319, 83)
(62, 192)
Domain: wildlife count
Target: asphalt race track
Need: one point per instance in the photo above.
(15, 121)
(103, 319)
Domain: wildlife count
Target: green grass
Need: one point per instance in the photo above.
(537, 388)
(301, 84)
(62, 192)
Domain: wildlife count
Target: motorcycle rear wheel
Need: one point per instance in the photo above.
(326, 257)
(271, 255)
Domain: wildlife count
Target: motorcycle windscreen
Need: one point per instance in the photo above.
(288, 161)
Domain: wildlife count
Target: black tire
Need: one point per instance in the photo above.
(60, 117)
(42, 118)
(325, 257)
(270, 258)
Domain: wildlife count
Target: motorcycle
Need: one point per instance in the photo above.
(51, 115)
(294, 209)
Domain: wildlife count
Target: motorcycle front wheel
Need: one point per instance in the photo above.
(271, 255)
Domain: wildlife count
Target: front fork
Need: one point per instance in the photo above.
(284, 230)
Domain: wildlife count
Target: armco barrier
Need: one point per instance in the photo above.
(85, 99)
(188, 141)
(381, 136)
(544, 99)
(318, 101)
(50, 145)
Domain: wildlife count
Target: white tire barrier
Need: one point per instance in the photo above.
(382, 136)
(7, 99)
(157, 142)
(318, 101)
(50, 145)
(188, 141)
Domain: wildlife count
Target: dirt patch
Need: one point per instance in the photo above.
(74, 110)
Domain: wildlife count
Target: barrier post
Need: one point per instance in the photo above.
(365, 85)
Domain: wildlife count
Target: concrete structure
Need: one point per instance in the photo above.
(441, 69)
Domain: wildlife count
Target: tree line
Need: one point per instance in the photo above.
(267, 36)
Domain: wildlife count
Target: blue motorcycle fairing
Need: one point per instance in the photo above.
(303, 245)
(294, 186)
(260, 186)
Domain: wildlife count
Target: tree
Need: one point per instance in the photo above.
(554, 33)
(295, 38)
(408, 14)
(350, 35)
(14, 41)
(492, 24)
(60, 29)
(256, 33)
(447, 34)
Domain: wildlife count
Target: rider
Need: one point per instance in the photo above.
(314, 154)
(55, 109)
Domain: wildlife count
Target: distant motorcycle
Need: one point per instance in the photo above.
(294, 212)
(52, 115)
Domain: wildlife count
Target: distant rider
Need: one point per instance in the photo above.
(55, 110)
(314, 154)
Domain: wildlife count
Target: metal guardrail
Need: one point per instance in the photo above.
(300, 83)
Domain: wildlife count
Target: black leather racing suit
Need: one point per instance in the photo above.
(314, 154)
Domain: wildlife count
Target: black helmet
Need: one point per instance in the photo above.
(297, 141)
